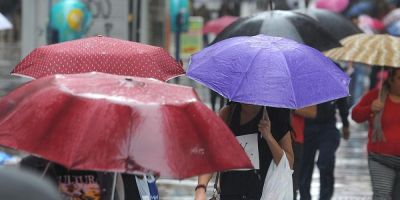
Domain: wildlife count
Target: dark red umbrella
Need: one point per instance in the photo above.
(101, 54)
(217, 25)
(104, 122)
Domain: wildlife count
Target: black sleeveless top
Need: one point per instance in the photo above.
(248, 184)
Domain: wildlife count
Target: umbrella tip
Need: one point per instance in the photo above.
(128, 79)
(99, 35)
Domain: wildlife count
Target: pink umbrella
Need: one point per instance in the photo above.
(217, 25)
(105, 122)
(332, 5)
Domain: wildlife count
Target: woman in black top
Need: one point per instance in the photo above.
(270, 135)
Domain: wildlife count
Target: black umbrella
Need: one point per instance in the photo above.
(337, 25)
(288, 24)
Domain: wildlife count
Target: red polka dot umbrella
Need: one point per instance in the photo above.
(101, 54)
(105, 122)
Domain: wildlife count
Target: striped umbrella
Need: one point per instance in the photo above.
(371, 49)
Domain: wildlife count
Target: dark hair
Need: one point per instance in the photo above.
(392, 73)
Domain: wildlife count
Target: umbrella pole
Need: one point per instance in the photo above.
(114, 183)
(265, 113)
(381, 86)
(46, 169)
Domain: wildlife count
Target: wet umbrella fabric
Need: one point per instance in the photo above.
(335, 24)
(287, 24)
(269, 71)
(101, 54)
(370, 49)
(104, 122)
(217, 25)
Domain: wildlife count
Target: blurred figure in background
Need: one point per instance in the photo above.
(23, 185)
(321, 134)
(297, 122)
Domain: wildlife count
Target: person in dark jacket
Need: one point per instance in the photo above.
(322, 135)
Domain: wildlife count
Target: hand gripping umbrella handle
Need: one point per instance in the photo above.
(265, 114)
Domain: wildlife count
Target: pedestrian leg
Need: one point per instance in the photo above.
(329, 142)
(382, 180)
(307, 163)
(298, 151)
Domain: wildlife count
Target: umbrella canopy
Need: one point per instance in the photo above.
(101, 54)
(360, 8)
(339, 26)
(394, 29)
(17, 184)
(371, 49)
(217, 25)
(269, 71)
(332, 5)
(4, 23)
(104, 122)
(287, 24)
(392, 17)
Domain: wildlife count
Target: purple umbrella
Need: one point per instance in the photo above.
(270, 71)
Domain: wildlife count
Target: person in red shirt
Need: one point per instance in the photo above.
(383, 116)
(297, 122)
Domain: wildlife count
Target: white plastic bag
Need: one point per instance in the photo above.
(278, 184)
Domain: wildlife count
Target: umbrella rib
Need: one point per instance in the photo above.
(287, 69)
(245, 74)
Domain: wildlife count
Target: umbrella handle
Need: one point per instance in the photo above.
(381, 86)
(114, 183)
(265, 114)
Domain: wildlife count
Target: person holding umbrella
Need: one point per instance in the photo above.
(264, 77)
(272, 137)
(381, 110)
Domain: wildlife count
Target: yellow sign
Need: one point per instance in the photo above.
(192, 41)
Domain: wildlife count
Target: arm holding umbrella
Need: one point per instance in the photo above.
(248, 113)
(200, 190)
(277, 148)
(307, 112)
